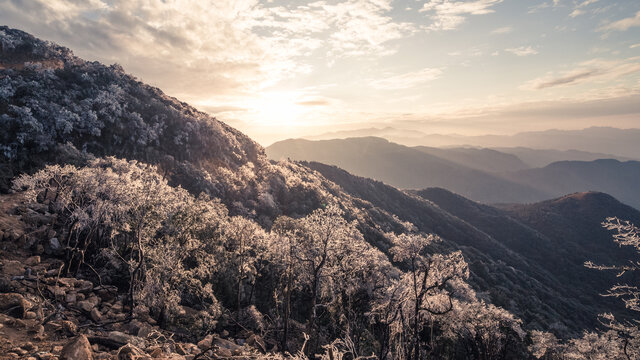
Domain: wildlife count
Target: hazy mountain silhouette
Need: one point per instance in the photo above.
(619, 179)
(404, 167)
(460, 170)
(604, 140)
(488, 160)
(535, 158)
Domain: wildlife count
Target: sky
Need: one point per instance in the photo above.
(278, 69)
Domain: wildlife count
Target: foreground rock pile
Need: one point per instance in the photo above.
(44, 315)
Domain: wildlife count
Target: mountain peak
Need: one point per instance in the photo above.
(18, 48)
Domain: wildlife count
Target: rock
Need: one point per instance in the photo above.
(156, 353)
(12, 268)
(95, 315)
(57, 349)
(34, 260)
(38, 330)
(14, 305)
(106, 292)
(13, 235)
(67, 282)
(29, 315)
(39, 249)
(181, 349)
(28, 346)
(206, 342)
(123, 338)
(256, 341)
(43, 355)
(70, 298)
(69, 327)
(54, 244)
(86, 305)
(57, 291)
(131, 352)
(77, 349)
(84, 286)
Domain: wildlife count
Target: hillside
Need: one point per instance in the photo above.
(483, 159)
(520, 267)
(557, 235)
(404, 167)
(610, 176)
(535, 158)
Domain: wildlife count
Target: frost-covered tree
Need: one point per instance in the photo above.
(420, 294)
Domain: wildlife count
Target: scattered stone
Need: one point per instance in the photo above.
(28, 346)
(86, 305)
(206, 342)
(67, 282)
(156, 353)
(123, 338)
(54, 244)
(77, 349)
(57, 349)
(69, 327)
(12, 268)
(70, 298)
(131, 352)
(14, 305)
(95, 315)
(256, 341)
(29, 315)
(32, 261)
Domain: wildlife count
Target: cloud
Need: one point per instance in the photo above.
(448, 15)
(579, 7)
(522, 51)
(592, 70)
(314, 102)
(622, 25)
(199, 49)
(503, 30)
(407, 80)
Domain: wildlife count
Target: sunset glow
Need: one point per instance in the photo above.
(277, 69)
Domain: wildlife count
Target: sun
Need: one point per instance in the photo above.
(277, 109)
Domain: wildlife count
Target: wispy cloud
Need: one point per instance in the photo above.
(502, 30)
(407, 80)
(592, 70)
(448, 15)
(579, 7)
(522, 51)
(622, 25)
(219, 47)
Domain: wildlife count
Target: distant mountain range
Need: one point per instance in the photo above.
(484, 175)
(604, 140)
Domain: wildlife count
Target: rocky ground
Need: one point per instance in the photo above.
(44, 315)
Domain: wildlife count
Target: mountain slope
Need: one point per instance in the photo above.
(510, 260)
(404, 167)
(483, 159)
(619, 179)
(558, 236)
(535, 158)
